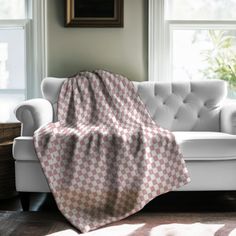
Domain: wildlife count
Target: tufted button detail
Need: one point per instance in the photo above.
(175, 117)
(198, 116)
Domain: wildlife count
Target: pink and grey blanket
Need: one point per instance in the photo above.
(106, 158)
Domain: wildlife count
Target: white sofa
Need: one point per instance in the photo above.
(202, 119)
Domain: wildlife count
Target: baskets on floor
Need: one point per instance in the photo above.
(7, 171)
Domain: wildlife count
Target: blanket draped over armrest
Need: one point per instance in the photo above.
(106, 158)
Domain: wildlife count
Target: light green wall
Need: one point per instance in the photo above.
(120, 50)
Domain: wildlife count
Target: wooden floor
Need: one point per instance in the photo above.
(179, 207)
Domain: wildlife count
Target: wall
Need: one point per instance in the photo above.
(121, 50)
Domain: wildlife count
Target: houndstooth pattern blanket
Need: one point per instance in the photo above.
(106, 158)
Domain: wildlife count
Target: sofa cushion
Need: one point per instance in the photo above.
(194, 146)
(206, 145)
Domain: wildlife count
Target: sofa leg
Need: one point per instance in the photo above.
(25, 200)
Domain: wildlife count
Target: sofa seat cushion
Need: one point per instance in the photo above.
(23, 149)
(206, 145)
(194, 146)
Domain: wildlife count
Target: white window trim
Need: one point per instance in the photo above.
(36, 51)
(156, 40)
(160, 38)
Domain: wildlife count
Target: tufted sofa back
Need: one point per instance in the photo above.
(177, 106)
(184, 106)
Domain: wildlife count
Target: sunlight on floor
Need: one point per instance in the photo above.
(119, 230)
(174, 229)
(233, 233)
(195, 229)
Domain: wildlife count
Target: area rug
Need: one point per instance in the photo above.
(158, 225)
(140, 224)
(196, 229)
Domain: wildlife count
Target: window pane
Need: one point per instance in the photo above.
(200, 9)
(12, 9)
(204, 54)
(12, 59)
(8, 103)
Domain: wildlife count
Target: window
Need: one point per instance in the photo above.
(20, 75)
(191, 39)
(12, 9)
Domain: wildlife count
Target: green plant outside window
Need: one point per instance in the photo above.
(221, 58)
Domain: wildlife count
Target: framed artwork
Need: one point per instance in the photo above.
(94, 13)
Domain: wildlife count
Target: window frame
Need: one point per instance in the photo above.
(34, 26)
(160, 41)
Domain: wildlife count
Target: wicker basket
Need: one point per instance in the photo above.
(7, 171)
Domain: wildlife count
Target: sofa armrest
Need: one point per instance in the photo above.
(32, 114)
(228, 117)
